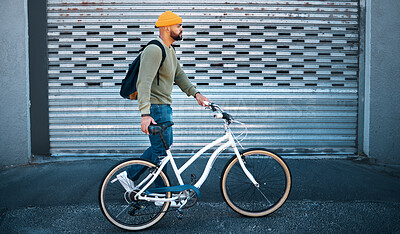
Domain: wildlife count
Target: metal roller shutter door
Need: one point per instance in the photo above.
(289, 69)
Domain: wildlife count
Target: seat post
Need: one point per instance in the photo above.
(163, 141)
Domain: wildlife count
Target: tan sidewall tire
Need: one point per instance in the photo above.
(276, 206)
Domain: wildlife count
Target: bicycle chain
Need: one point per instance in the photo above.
(136, 206)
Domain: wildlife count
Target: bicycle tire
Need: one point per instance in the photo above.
(272, 174)
(118, 205)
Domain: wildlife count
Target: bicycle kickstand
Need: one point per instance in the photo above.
(179, 213)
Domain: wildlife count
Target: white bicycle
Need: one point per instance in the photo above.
(254, 182)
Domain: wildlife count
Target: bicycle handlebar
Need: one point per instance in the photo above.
(221, 114)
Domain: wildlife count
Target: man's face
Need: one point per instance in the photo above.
(176, 32)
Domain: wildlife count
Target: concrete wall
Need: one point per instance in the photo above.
(14, 86)
(382, 81)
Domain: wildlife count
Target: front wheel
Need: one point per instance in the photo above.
(272, 175)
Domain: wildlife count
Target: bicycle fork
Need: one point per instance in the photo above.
(241, 162)
(248, 174)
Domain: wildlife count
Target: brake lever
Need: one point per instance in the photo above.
(210, 105)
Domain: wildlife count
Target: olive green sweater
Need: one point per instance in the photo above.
(149, 92)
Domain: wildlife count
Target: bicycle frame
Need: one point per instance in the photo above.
(230, 142)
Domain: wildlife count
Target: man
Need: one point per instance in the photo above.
(154, 94)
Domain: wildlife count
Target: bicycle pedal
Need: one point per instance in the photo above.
(179, 213)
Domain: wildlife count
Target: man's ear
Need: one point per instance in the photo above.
(164, 29)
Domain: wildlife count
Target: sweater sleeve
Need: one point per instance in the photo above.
(183, 82)
(149, 63)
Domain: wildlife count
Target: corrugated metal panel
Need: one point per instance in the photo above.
(289, 69)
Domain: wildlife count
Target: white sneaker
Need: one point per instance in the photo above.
(125, 181)
(173, 204)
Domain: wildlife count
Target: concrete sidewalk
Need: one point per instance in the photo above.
(327, 196)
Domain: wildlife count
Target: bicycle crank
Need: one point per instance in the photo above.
(191, 199)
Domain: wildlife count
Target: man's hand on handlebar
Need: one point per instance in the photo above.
(201, 99)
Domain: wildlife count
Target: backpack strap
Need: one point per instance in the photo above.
(156, 42)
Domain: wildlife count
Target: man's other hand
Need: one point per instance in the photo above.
(145, 123)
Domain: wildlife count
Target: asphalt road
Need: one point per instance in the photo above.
(329, 196)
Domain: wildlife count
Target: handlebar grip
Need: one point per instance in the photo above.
(211, 105)
(227, 116)
(223, 115)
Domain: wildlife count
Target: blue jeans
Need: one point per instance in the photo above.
(161, 113)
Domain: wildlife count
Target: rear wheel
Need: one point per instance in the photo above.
(271, 173)
(120, 207)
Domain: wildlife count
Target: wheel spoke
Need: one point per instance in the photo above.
(122, 211)
(269, 202)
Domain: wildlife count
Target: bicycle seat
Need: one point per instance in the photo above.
(155, 129)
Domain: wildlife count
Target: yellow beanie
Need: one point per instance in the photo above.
(168, 18)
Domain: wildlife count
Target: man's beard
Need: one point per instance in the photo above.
(176, 37)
